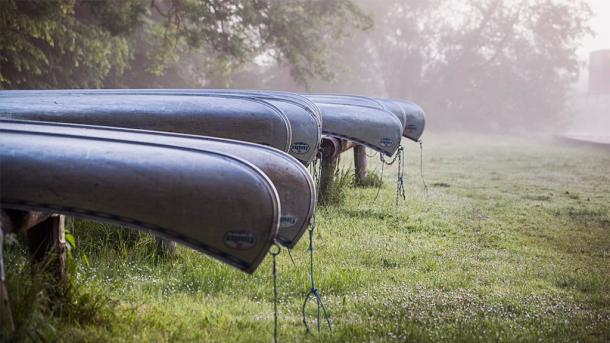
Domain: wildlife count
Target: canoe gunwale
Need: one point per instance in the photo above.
(269, 187)
(128, 222)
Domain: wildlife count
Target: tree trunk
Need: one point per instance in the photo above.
(360, 165)
(47, 244)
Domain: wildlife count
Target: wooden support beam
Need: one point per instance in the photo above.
(165, 247)
(14, 221)
(47, 243)
(360, 165)
(331, 149)
(330, 157)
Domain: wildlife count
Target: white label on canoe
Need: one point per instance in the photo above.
(386, 142)
(299, 148)
(287, 221)
(240, 240)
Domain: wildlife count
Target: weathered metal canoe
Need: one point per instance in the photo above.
(358, 100)
(293, 183)
(219, 115)
(373, 127)
(410, 114)
(416, 119)
(211, 201)
(304, 117)
(344, 99)
(395, 108)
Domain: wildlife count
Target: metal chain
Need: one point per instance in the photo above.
(421, 164)
(274, 254)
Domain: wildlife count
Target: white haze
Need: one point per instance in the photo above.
(591, 113)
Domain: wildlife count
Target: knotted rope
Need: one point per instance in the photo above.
(314, 293)
(421, 164)
(274, 251)
(400, 185)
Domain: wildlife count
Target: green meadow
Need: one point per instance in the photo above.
(510, 242)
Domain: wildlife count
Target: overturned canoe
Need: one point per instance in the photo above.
(416, 119)
(410, 114)
(293, 183)
(224, 116)
(396, 109)
(375, 128)
(213, 202)
(357, 100)
(344, 99)
(304, 117)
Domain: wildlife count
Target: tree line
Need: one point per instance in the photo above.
(472, 64)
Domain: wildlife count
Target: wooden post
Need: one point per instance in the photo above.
(6, 316)
(47, 240)
(328, 166)
(360, 165)
(165, 247)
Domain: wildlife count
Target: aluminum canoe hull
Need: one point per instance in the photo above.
(357, 100)
(294, 185)
(223, 116)
(303, 114)
(410, 114)
(416, 119)
(375, 128)
(305, 123)
(216, 203)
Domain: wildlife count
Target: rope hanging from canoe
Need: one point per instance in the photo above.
(371, 155)
(314, 293)
(421, 164)
(274, 251)
(380, 181)
(400, 185)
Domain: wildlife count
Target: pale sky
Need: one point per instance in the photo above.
(600, 23)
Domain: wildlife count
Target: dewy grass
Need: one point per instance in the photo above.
(510, 243)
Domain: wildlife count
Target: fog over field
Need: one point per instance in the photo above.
(500, 66)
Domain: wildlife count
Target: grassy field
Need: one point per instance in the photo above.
(511, 242)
